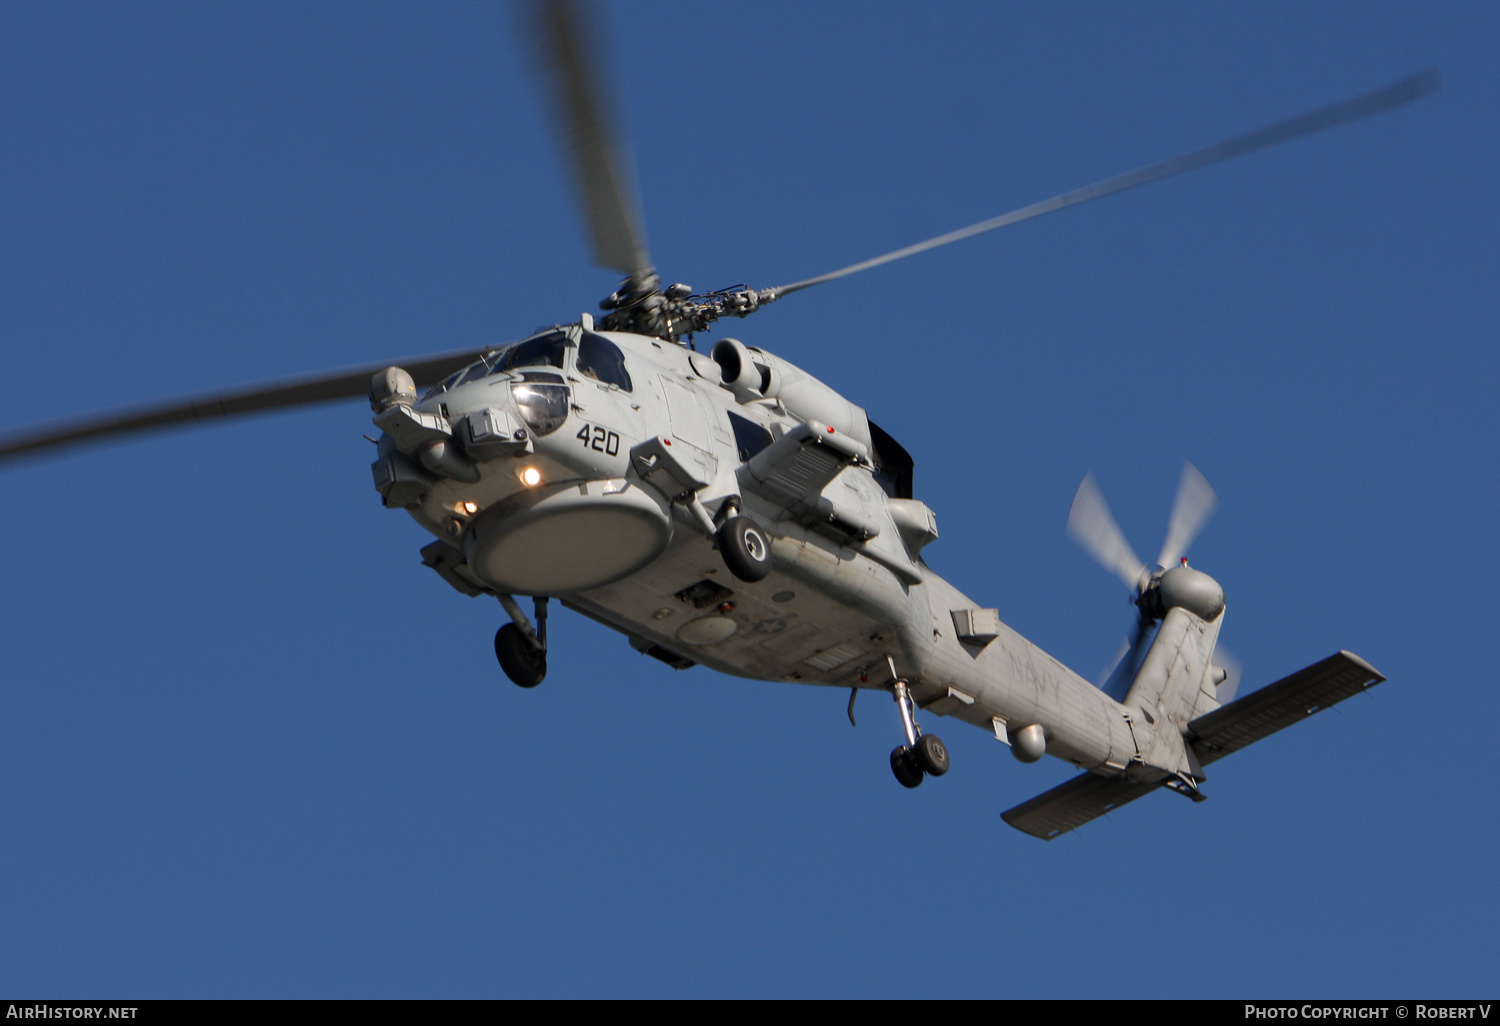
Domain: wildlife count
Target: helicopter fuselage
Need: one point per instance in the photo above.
(594, 467)
(733, 511)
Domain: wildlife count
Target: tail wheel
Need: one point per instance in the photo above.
(905, 766)
(745, 548)
(522, 663)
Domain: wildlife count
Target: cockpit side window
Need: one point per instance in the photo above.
(601, 359)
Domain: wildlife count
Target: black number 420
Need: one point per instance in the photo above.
(599, 439)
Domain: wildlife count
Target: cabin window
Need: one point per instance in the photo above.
(749, 437)
(893, 464)
(601, 359)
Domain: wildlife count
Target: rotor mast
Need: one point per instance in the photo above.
(675, 313)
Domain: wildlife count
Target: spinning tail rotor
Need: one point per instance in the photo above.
(1094, 528)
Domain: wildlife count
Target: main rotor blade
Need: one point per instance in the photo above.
(1394, 95)
(1194, 504)
(1092, 526)
(347, 383)
(609, 197)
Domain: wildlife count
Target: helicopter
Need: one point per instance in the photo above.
(727, 509)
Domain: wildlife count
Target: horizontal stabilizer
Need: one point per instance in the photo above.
(1071, 805)
(1262, 713)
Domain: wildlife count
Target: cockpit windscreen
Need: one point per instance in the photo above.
(543, 351)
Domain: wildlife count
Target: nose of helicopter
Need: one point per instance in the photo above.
(568, 538)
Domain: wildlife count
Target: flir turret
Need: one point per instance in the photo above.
(425, 436)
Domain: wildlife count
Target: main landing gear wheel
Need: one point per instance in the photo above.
(745, 548)
(923, 755)
(904, 765)
(931, 754)
(521, 662)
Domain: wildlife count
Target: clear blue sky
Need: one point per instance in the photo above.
(249, 746)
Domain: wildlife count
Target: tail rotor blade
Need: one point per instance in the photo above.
(1103, 683)
(1093, 527)
(1194, 504)
(1234, 670)
(1121, 673)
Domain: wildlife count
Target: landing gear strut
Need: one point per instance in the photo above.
(923, 754)
(520, 648)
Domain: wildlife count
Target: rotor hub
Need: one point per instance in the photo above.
(1182, 587)
(640, 305)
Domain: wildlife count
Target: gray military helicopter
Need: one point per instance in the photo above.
(728, 509)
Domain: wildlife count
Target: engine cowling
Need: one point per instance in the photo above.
(755, 374)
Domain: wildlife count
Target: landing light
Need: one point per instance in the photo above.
(531, 477)
(471, 508)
